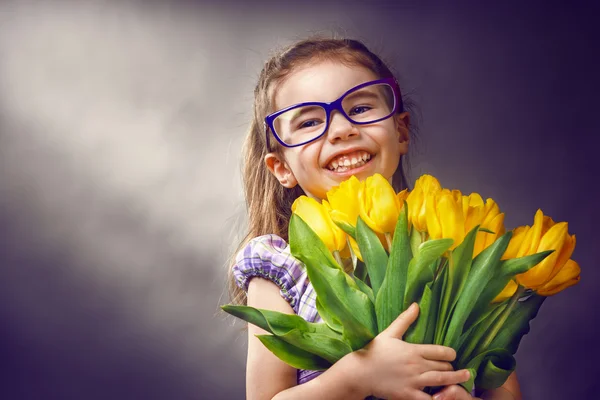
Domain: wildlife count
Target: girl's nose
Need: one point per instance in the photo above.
(340, 128)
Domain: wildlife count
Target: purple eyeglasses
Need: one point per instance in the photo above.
(366, 103)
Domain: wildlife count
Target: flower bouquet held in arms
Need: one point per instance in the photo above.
(370, 253)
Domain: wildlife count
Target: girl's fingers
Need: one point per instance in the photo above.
(418, 395)
(402, 323)
(436, 352)
(429, 365)
(443, 378)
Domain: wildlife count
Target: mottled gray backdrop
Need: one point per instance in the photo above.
(121, 125)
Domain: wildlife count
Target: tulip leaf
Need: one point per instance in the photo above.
(416, 332)
(338, 292)
(277, 323)
(469, 384)
(415, 240)
(365, 289)
(458, 270)
(343, 225)
(292, 355)
(390, 298)
(515, 266)
(433, 330)
(472, 337)
(517, 324)
(332, 322)
(493, 367)
(486, 230)
(504, 273)
(482, 271)
(373, 254)
(331, 349)
(419, 268)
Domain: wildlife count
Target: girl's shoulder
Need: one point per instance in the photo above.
(269, 257)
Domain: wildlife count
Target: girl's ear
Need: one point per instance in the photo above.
(279, 168)
(402, 121)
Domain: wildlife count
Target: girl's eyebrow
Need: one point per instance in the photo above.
(361, 93)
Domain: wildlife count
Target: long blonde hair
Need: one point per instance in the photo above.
(267, 201)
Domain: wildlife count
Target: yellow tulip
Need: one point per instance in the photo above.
(417, 201)
(507, 292)
(489, 217)
(545, 234)
(316, 215)
(568, 276)
(378, 203)
(444, 217)
(344, 201)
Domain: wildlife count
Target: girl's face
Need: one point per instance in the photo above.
(311, 166)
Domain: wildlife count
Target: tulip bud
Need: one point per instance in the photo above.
(317, 217)
(379, 206)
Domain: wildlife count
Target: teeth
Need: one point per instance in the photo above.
(345, 163)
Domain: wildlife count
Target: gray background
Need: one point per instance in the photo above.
(120, 195)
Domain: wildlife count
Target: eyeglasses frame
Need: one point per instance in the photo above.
(329, 107)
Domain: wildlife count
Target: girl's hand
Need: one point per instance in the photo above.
(453, 392)
(396, 370)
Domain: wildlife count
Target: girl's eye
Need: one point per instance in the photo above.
(309, 124)
(359, 110)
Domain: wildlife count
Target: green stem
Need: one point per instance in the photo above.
(338, 258)
(497, 325)
(352, 254)
(388, 239)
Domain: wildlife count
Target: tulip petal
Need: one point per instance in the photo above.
(541, 273)
(568, 276)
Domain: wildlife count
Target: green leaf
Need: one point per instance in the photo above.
(518, 323)
(434, 310)
(468, 385)
(373, 254)
(346, 227)
(482, 271)
(472, 337)
(504, 273)
(330, 320)
(420, 269)
(324, 346)
(365, 289)
(390, 298)
(458, 270)
(416, 332)
(515, 266)
(493, 368)
(486, 230)
(276, 322)
(415, 241)
(292, 355)
(338, 292)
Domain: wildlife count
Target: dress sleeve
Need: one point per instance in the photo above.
(268, 256)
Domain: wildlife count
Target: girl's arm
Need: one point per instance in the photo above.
(267, 377)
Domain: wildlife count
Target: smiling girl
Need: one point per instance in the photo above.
(324, 110)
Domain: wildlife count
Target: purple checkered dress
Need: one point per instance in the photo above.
(269, 257)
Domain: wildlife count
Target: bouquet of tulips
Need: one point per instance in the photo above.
(370, 253)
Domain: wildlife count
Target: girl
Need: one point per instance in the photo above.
(292, 149)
